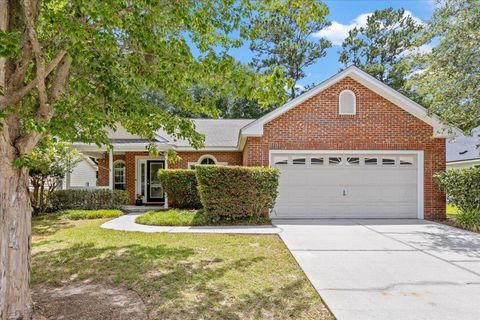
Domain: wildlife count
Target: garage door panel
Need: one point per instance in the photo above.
(337, 177)
(367, 193)
(347, 191)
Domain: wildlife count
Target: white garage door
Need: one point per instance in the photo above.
(346, 185)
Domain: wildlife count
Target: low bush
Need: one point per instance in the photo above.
(469, 220)
(89, 199)
(462, 187)
(89, 214)
(181, 188)
(237, 192)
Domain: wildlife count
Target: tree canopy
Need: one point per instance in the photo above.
(282, 38)
(93, 62)
(381, 46)
(72, 69)
(449, 76)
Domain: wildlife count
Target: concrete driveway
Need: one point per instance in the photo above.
(389, 269)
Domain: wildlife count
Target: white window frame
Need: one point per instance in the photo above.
(199, 161)
(124, 174)
(354, 103)
(144, 159)
(419, 165)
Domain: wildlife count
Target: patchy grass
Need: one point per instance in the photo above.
(176, 217)
(88, 214)
(452, 210)
(178, 276)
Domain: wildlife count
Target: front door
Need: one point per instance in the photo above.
(154, 187)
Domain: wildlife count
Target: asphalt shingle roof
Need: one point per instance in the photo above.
(218, 133)
(464, 148)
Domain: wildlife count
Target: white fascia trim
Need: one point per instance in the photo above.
(255, 128)
(89, 161)
(283, 151)
(410, 106)
(119, 147)
(464, 161)
(418, 153)
(206, 149)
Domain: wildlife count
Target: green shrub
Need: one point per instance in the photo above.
(462, 187)
(89, 199)
(89, 214)
(237, 192)
(181, 188)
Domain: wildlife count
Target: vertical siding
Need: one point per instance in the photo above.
(84, 175)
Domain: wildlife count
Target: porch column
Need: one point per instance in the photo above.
(110, 169)
(165, 204)
(67, 181)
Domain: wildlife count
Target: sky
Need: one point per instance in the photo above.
(345, 15)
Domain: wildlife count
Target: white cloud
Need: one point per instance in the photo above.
(426, 48)
(337, 31)
(299, 87)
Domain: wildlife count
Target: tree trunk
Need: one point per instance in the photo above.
(15, 237)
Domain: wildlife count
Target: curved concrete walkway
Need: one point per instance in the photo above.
(127, 223)
(374, 269)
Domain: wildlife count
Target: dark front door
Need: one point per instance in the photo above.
(154, 188)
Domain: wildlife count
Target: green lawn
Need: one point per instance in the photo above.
(176, 217)
(452, 210)
(88, 214)
(179, 276)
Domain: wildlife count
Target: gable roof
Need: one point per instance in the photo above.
(464, 148)
(255, 128)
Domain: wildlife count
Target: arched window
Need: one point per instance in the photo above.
(347, 102)
(208, 160)
(119, 175)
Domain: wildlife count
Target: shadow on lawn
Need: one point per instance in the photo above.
(48, 225)
(174, 282)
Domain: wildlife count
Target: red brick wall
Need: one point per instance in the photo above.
(103, 167)
(377, 125)
(232, 158)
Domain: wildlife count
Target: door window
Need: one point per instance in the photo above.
(156, 190)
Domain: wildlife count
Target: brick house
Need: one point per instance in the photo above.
(351, 147)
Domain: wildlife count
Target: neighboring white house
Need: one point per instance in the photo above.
(464, 152)
(83, 176)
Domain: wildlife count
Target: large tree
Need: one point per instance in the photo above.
(73, 68)
(283, 38)
(449, 76)
(381, 46)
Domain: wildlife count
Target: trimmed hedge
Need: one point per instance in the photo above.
(462, 187)
(237, 192)
(181, 188)
(89, 199)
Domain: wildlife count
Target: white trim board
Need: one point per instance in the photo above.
(418, 153)
(255, 129)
